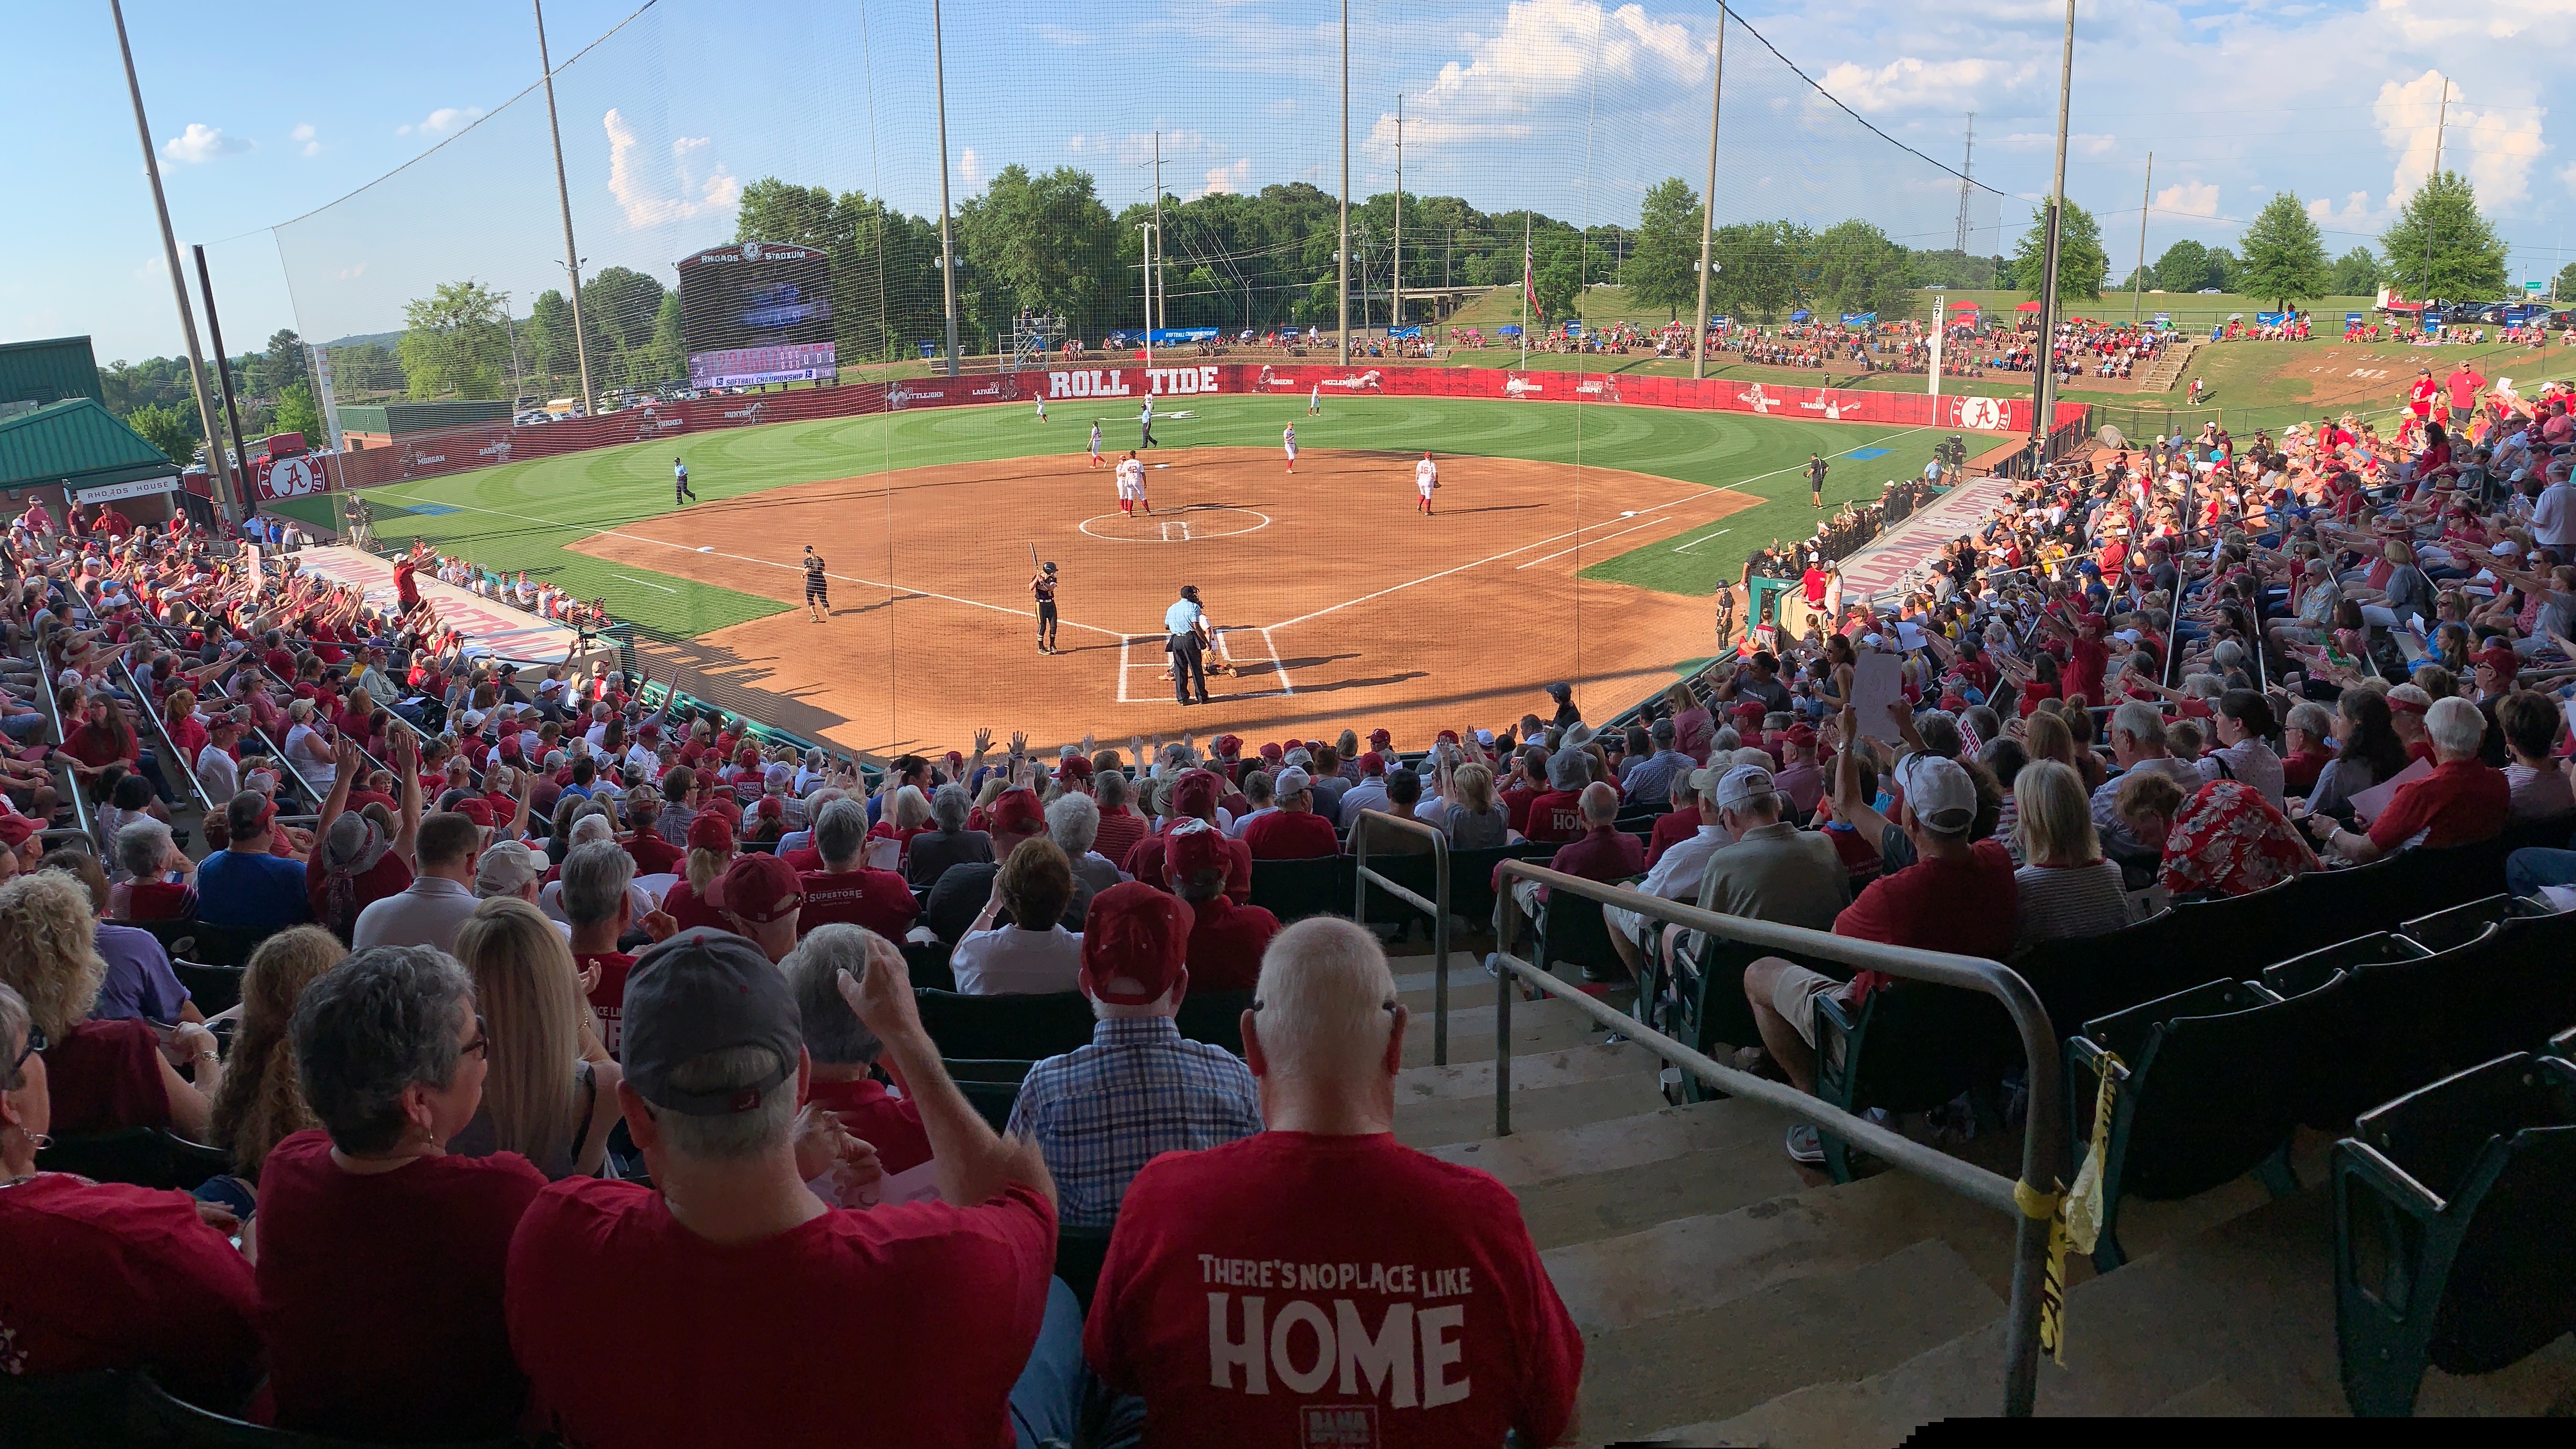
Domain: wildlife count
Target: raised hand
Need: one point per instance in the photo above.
(983, 743)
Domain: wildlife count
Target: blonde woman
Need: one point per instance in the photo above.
(261, 1101)
(1476, 820)
(711, 849)
(102, 1075)
(306, 749)
(2068, 888)
(544, 1098)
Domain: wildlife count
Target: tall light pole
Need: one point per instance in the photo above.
(1395, 276)
(563, 197)
(2044, 396)
(1157, 308)
(216, 472)
(947, 250)
(1147, 228)
(1708, 204)
(2138, 278)
(1342, 260)
(2441, 122)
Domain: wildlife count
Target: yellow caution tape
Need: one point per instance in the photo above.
(2034, 1203)
(2085, 1207)
(2052, 1295)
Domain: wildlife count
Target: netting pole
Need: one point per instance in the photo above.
(1395, 273)
(223, 372)
(947, 251)
(1708, 207)
(1342, 259)
(215, 470)
(2044, 393)
(2138, 278)
(563, 198)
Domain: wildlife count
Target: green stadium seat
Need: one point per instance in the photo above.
(1571, 932)
(1295, 889)
(1022, 1028)
(143, 1156)
(223, 945)
(171, 934)
(1911, 1047)
(1701, 1005)
(1215, 1017)
(213, 988)
(1471, 878)
(169, 1422)
(2207, 1092)
(72, 1411)
(1412, 871)
(927, 964)
(991, 1085)
(2452, 1247)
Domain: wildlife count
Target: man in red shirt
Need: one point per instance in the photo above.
(844, 1055)
(1955, 897)
(1294, 831)
(1226, 939)
(1557, 815)
(2086, 655)
(1603, 852)
(1526, 782)
(1194, 797)
(2462, 801)
(738, 1293)
(847, 889)
(1214, 1303)
(2463, 385)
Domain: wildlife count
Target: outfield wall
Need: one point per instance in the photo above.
(1129, 384)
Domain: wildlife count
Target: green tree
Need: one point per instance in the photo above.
(2081, 263)
(165, 427)
(454, 342)
(296, 413)
(2356, 274)
(2226, 273)
(1757, 269)
(666, 359)
(2441, 225)
(2183, 268)
(2564, 287)
(1037, 241)
(548, 339)
(1857, 269)
(2285, 255)
(1663, 269)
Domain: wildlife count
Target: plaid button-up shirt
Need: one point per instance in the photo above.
(1101, 1112)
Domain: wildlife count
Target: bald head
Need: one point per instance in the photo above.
(1600, 803)
(1324, 1005)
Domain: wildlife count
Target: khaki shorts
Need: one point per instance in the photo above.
(1794, 995)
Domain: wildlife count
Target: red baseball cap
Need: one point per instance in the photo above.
(770, 808)
(1227, 746)
(1017, 810)
(1273, 753)
(1077, 767)
(1380, 737)
(2501, 659)
(710, 831)
(758, 887)
(1195, 793)
(478, 811)
(1446, 737)
(14, 830)
(1135, 943)
(1372, 763)
(1195, 847)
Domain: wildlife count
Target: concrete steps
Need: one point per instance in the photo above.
(1559, 1087)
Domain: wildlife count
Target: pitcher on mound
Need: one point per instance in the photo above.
(1131, 486)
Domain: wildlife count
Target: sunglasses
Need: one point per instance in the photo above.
(35, 1044)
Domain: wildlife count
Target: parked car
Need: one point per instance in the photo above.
(2514, 314)
(2211, 292)
(532, 417)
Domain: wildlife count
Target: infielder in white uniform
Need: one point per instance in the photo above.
(1095, 444)
(1041, 409)
(1426, 476)
(1288, 444)
(1131, 486)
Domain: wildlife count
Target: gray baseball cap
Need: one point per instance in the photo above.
(703, 991)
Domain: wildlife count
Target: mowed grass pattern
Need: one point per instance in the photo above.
(523, 515)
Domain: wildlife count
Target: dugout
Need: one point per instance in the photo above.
(60, 445)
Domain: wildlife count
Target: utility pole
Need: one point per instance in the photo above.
(1708, 199)
(1157, 306)
(947, 246)
(216, 473)
(223, 372)
(2138, 279)
(1342, 261)
(1147, 228)
(2044, 395)
(1395, 273)
(563, 198)
(1526, 281)
(2441, 121)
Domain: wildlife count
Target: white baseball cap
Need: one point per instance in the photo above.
(1939, 793)
(1291, 781)
(1744, 785)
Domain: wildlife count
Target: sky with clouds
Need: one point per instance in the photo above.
(415, 151)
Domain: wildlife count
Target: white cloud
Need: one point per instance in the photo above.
(2495, 149)
(351, 273)
(1230, 179)
(969, 168)
(154, 269)
(304, 134)
(1065, 35)
(719, 192)
(2356, 213)
(2191, 198)
(2088, 146)
(1910, 81)
(1547, 50)
(202, 143)
(445, 121)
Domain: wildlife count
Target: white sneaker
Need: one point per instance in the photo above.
(1805, 1147)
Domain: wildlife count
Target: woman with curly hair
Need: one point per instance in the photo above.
(104, 1074)
(261, 1101)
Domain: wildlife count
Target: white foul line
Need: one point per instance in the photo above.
(630, 578)
(1579, 544)
(1703, 538)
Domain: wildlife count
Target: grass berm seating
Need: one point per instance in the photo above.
(2453, 1246)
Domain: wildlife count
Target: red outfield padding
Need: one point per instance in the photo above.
(461, 449)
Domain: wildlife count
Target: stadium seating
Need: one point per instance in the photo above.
(991, 1084)
(1295, 889)
(160, 1418)
(1021, 1028)
(72, 1411)
(143, 1156)
(1078, 1256)
(2452, 1247)
(213, 988)
(1571, 932)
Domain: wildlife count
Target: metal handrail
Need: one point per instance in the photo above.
(1438, 907)
(2044, 1166)
(64, 775)
(148, 708)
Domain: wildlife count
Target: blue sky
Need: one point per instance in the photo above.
(1567, 105)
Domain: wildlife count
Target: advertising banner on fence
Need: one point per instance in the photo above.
(1126, 387)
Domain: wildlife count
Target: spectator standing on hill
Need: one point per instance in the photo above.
(740, 1295)
(1475, 1341)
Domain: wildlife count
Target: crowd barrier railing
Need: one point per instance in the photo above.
(2032, 1202)
(1438, 906)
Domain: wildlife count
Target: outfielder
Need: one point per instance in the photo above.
(1315, 401)
(1095, 444)
(1041, 408)
(1131, 486)
(1043, 588)
(1288, 444)
(1426, 476)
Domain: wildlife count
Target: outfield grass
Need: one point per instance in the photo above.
(523, 515)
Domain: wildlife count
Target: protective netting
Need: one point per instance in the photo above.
(1567, 137)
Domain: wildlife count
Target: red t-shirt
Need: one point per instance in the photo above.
(897, 1326)
(388, 877)
(653, 855)
(102, 1275)
(1670, 830)
(1415, 1311)
(1226, 942)
(1291, 835)
(884, 1121)
(160, 900)
(804, 859)
(876, 899)
(609, 996)
(1967, 906)
(1516, 805)
(1603, 854)
(380, 1293)
(686, 908)
(1120, 829)
(2085, 660)
(104, 1075)
(1556, 815)
(2463, 801)
(2299, 771)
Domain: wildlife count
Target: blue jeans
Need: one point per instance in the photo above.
(1046, 1403)
(2528, 869)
